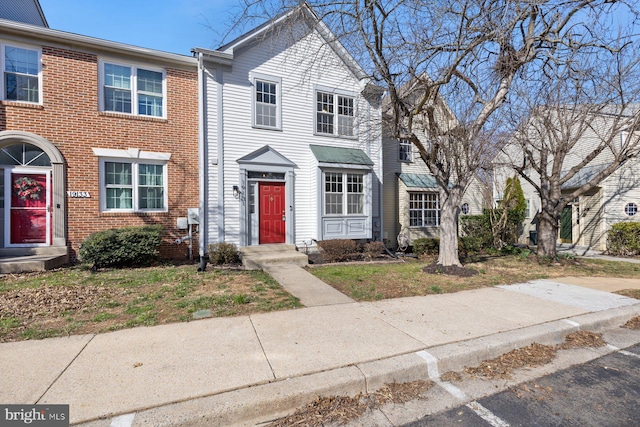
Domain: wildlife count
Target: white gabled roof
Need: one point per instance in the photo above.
(315, 22)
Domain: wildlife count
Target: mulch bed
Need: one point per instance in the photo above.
(452, 270)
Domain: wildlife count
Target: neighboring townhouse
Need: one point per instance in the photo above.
(585, 220)
(292, 138)
(93, 135)
(411, 203)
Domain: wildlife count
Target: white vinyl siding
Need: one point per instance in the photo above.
(232, 134)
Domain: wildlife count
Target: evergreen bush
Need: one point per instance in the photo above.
(122, 247)
(624, 239)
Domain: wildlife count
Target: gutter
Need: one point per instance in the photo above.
(22, 30)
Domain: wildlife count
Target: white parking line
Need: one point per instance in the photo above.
(572, 322)
(628, 353)
(487, 415)
(123, 420)
(434, 375)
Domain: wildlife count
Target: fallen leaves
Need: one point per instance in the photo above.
(582, 339)
(633, 323)
(502, 366)
(342, 409)
(532, 356)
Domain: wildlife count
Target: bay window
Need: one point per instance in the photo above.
(343, 189)
(424, 210)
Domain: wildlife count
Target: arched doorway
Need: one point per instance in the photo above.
(31, 191)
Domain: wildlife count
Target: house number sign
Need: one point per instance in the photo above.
(79, 194)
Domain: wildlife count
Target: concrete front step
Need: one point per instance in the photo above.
(24, 264)
(255, 257)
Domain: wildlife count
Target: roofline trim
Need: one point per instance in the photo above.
(22, 29)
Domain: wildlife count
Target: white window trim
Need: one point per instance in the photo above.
(3, 46)
(468, 209)
(624, 209)
(135, 157)
(269, 79)
(335, 93)
(527, 213)
(438, 209)
(345, 194)
(134, 86)
(400, 144)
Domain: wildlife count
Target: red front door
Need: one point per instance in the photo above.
(29, 208)
(272, 212)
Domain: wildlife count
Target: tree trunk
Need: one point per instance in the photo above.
(450, 210)
(547, 234)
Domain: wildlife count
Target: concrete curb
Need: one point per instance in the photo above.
(261, 403)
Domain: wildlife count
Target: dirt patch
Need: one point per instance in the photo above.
(533, 391)
(502, 366)
(633, 323)
(451, 270)
(582, 339)
(342, 409)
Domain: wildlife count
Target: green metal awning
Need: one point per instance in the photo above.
(417, 180)
(347, 156)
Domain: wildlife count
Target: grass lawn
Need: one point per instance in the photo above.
(78, 301)
(371, 282)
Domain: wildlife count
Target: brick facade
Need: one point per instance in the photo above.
(70, 119)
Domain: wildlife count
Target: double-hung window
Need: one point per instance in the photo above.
(132, 90)
(405, 150)
(335, 114)
(21, 69)
(424, 210)
(133, 185)
(343, 190)
(266, 102)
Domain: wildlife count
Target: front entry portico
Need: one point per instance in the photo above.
(266, 196)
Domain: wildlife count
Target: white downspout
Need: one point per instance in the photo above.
(203, 172)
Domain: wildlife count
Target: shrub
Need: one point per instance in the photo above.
(373, 249)
(122, 247)
(471, 245)
(338, 250)
(426, 246)
(624, 239)
(223, 253)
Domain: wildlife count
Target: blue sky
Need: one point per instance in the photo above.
(169, 25)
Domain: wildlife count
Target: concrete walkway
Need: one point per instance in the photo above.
(249, 369)
(310, 290)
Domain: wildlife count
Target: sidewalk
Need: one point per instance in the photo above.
(253, 368)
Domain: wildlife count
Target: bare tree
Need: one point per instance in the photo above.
(579, 123)
(467, 53)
